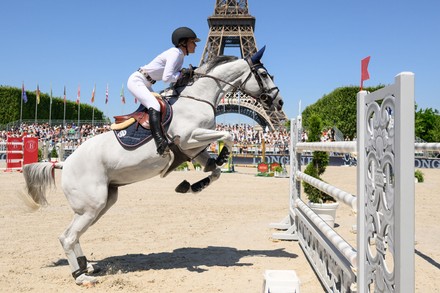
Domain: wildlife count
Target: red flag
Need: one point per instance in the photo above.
(78, 97)
(364, 70)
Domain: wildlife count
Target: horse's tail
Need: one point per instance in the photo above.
(39, 177)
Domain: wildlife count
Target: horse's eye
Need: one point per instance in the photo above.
(264, 74)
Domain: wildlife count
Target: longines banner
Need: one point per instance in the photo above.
(425, 163)
(421, 163)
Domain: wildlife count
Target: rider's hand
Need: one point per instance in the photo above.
(183, 71)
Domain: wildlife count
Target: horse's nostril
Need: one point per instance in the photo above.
(281, 103)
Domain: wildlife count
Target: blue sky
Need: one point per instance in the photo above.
(313, 46)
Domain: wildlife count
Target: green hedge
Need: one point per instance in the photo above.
(10, 98)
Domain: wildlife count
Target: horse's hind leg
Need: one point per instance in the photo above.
(86, 213)
(70, 242)
(111, 200)
(82, 260)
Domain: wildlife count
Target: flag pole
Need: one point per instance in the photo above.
(36, 103)
(78, 100)
(50, 106)
(79, 109)
(93, 107)
(21, 106)
(21, 110)
(106, 100)
(122, 98)
(64, 116)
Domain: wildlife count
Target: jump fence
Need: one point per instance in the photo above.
(383, 259)
(19, 151)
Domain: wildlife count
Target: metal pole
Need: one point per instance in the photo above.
(50, 106)
(21, 108)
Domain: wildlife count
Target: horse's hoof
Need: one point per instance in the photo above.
(183, 187)
(200, 185)
(86, 281)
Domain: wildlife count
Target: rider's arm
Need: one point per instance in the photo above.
(174, 61)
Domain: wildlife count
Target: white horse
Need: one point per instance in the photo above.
(92, 174)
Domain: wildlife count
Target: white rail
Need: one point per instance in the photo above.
(343, 246)
(335, 192)
(336, 146)
(430, 146)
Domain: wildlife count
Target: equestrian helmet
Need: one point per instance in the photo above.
(182, 33)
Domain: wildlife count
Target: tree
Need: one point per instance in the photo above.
(318, 164)
(11, 104)
(427, 124)
(337, 109)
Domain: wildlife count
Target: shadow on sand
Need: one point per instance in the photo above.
(193, 259)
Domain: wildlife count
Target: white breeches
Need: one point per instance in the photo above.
(141, 89)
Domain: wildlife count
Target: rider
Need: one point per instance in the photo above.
(167, 67)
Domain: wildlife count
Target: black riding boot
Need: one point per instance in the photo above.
(156, 129)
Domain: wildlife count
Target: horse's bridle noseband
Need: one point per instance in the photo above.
(265, 93)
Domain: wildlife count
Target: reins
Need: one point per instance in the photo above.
(235, 88)
(265, 93)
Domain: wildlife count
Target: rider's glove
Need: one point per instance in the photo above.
(183, 72)
(187, 71)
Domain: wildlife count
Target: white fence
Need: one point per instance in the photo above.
(383, 260)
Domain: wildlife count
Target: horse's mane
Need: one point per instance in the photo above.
(218, 60)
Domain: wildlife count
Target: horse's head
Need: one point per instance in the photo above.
(231, 74)
(260, 85)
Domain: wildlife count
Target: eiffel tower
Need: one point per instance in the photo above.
(231, 26)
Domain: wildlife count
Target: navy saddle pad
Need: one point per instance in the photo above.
(135, 135)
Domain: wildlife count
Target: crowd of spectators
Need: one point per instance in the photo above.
(247, 138)
(70, 134)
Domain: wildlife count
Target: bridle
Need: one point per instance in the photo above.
(265, 94)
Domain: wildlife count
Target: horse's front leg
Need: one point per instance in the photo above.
(203, 158)
(202, 137)
(205, 137)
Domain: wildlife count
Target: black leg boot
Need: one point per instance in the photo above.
(156, 129)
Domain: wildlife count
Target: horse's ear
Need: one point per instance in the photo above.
(257, 56)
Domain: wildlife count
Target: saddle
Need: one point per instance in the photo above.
(140, 116)
(130, 135)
